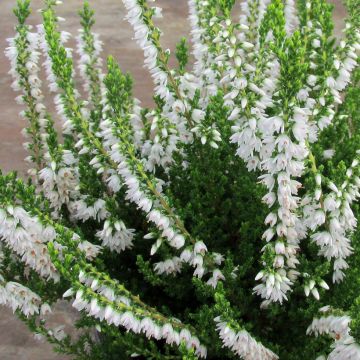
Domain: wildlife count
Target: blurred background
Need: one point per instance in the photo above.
(16, 343)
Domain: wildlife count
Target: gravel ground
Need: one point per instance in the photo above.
(16, 343)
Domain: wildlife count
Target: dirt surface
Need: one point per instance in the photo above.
(15, 341)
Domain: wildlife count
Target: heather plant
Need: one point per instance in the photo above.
(220, 223)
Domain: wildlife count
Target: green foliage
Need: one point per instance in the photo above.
(182, 54)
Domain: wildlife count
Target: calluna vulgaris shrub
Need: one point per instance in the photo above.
(219, 223)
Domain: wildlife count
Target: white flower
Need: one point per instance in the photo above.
(216, 276)
(280, 247)
(91, 251)
(178, 106)
(169, 266)
(178, 241)
(312, 79)
(116, 236)
(198, 115)
(200, 247)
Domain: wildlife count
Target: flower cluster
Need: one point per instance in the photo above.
(17, 296)
(344, 346)
(23, 54)
(242, 343)
(28, 238)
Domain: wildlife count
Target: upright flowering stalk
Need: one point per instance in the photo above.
(283, 164)
(58, 175)
(140, 16)
(24, 55)
(89, 48)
